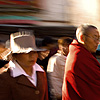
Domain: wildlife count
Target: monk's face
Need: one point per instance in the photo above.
(91, 40)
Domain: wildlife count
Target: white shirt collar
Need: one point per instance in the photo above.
(16, 69)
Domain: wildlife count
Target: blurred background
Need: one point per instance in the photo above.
(53, 18)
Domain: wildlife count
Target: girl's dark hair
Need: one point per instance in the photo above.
(64, 40)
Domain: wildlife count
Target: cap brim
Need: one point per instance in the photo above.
(27, 50)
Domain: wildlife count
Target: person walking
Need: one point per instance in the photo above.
(24, 79)
(55, 68)
(82, 70)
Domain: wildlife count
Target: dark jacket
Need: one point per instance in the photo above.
(20, 88)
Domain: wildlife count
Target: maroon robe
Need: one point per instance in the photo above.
(82, 75)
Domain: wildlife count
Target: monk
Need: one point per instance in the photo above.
(82, 70)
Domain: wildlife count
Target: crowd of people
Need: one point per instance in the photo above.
(66, 69)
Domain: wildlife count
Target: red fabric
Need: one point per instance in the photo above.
(19, 2)
(35, 3)
(3, 3)
(82, 75)
(19, 21)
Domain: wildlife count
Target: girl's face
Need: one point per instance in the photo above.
(26, 59)
(64, 49)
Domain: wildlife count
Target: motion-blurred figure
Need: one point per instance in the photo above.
(51, 45)
(3, 62)
(55, 68)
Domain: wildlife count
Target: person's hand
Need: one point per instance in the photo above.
(4, 68)
(43, 54)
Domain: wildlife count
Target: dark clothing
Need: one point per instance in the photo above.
(20, 88)
(3, 62)
(44, 62)
(82, 75)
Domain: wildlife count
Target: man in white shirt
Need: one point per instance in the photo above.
(55, 68)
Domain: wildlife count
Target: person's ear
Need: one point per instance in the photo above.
(82, 38)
